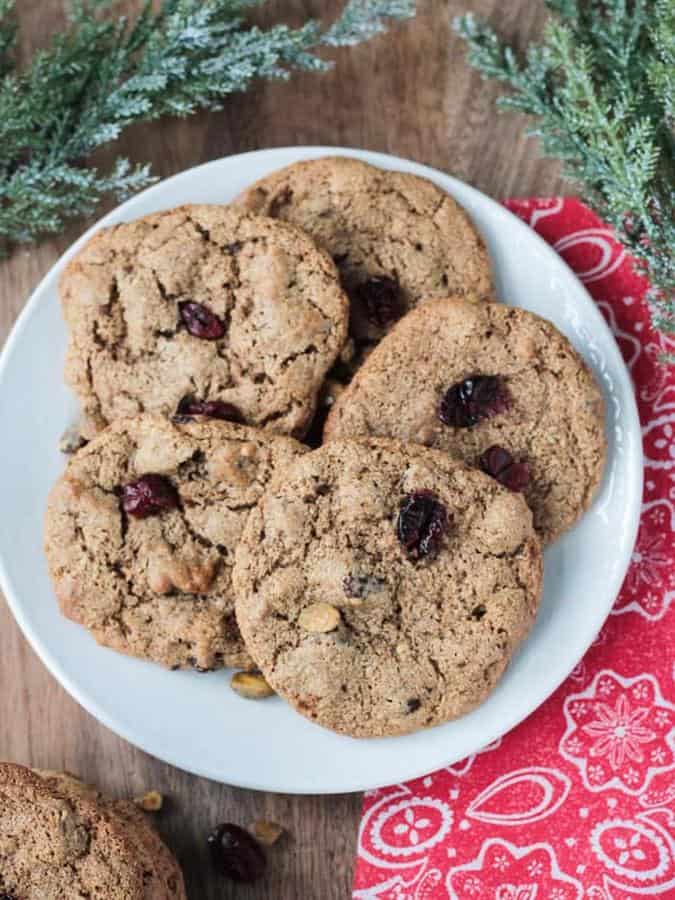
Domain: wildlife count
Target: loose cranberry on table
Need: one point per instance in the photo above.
(200, 321)
(500, 464)
(380, 297)
(468, 402)
(212, 409)
(148, 496)
(236, 853)
(422, 522)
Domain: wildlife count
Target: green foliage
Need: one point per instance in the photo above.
(364, 19)
(601, 88)
(106, 72)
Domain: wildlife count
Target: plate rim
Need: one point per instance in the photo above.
(632, 430)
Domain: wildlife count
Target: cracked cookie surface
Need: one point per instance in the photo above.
(377, 223)
(370, 626)
(548, 410)
(166, 879)
(61, 839)
(159, 586)
(202, 302)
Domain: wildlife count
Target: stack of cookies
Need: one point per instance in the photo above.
(315, 448)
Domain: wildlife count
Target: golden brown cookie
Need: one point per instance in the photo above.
(396, 238)
(382, 587)
(202, 304)
(141, 531)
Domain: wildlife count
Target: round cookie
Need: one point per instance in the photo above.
(539, 402)
(141, 530)
(58, 842)
(383, 587)
(378, 224)
(202, 303)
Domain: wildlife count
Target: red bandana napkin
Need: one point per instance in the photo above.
(578, 802)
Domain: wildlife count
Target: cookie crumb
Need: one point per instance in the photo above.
(151, 801)
(250, 685)
(267, 833)
(71, 440)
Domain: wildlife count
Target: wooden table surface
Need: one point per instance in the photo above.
(410, 93)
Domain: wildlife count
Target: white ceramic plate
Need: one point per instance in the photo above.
(195, 721)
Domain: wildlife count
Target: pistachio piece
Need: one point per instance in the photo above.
(250, 685)
(151, 801)
(319, 618)
(348, 351)
(267, 833)
(71, 440)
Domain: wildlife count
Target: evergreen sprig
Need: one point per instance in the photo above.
(106, 72)
(601, 87)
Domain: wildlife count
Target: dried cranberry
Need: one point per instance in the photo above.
(380, 297)
(468, 402)
(236, 853)
(148, 495)
(516, 477)
(200, 321)
(212, 409)
(422, 522)
(499, 463)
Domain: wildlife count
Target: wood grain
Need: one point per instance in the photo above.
(410, 93)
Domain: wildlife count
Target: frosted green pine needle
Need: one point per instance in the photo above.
(364, 19)
(106, 72)
(601, 89)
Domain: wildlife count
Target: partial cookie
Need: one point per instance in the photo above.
(382, 587)
(167, 878)
(57, 842)
(397, 239)
(141, 530)
(202, 303)
(496, 386)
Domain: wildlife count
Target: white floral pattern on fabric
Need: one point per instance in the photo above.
(630, 849)
(621, 734)
(519, 797)
(600, 240)
(504, 871)
(649, 587)
(411, 826)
